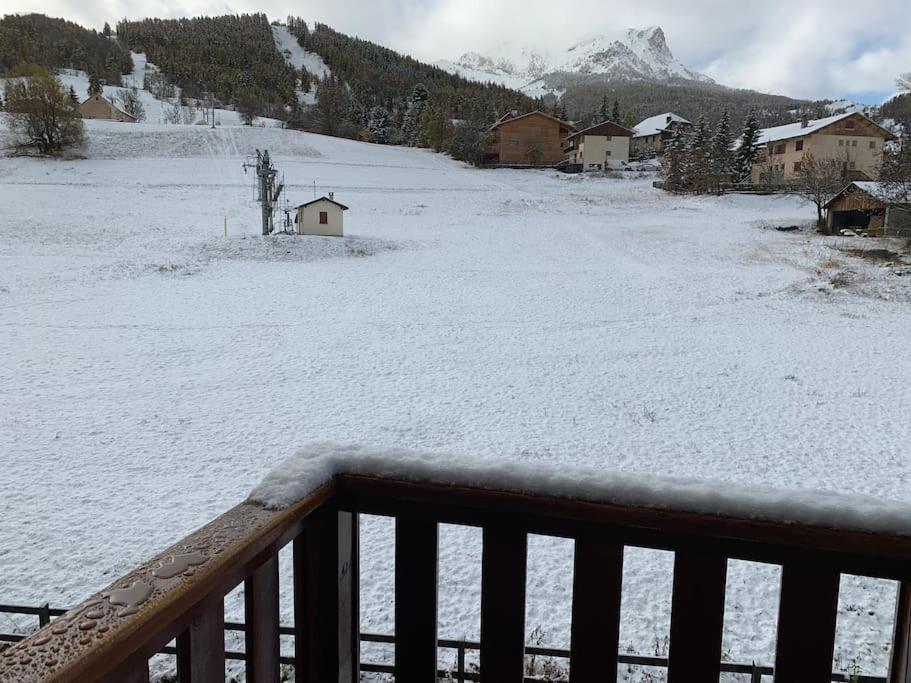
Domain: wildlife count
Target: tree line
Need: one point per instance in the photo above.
(60, 44)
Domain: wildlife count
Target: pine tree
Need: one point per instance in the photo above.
(95, 86)
(698, 157)
(722, 158)
(73, 96)
(747, 152)
(378, 124)
(615, 112)
(674, 161)
(106, 31)
(604, 114)
(411, 126)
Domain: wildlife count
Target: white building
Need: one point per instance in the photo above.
(321, 216)
(598, 148)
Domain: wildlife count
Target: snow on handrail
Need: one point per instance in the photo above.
(318, 462)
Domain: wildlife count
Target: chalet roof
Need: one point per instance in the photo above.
(322, 199)
(797, 129)
(655, 124)
(604, 128)
(507, 118)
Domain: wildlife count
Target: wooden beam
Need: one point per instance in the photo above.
(503, 568)
(900, 662)
(261, 608)
(416, 569)
(326, 577)
(806, 624)
(597, 585)
(697, 617)
(201, 647)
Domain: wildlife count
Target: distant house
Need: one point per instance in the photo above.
(98, 107)
(599, 147)
(866, 205)
(853, 138)
(533, 139)
(321, 216)
(652, 135)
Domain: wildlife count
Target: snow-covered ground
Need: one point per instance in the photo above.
(154, 370)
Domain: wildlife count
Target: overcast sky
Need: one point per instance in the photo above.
(803, 48)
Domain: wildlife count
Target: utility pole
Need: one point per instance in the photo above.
(268, 192)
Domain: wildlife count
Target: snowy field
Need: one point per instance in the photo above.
(154, 370)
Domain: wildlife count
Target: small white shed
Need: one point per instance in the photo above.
(321, 216)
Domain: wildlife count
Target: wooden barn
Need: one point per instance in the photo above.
(866, 206)
(533, 139)
(322, 216)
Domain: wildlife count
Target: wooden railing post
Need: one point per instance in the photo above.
(597, 586)
(326, 623)
(503, 568)
(201, 647)
(262, 638)
(806, 623)
(416, 566)
(44, 615)
(697, 617)
(900, 664)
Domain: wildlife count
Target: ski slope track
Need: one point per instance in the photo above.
(155, 370)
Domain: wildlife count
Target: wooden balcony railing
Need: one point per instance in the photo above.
(180, 593)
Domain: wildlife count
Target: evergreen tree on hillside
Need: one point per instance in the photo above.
(331, 106)
(378, 125)
(95, 86)
(603, 113)
(722, 158)
(106, 31)
(411, 126)
(673, 167)
(746, 152)
(615, 112)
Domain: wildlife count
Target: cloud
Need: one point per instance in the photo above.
(809, 48)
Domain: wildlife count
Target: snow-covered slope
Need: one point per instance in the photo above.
(298, 57)
(639, 54)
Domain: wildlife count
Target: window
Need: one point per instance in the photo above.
(610, 137)
(796, 166)
(851, 164)
(853, 143)
(798, 146)
(841, 143)
(779, 149)
(608, 153)
(323, 217)
(872, 144)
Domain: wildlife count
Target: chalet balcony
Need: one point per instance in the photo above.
(313, 504)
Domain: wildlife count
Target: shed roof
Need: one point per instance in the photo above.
(873, 189)
(655, 124)
(797, 129)
(323, 199)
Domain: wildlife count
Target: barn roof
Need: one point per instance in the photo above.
(323, 199)
(797, 129)
(873, 189)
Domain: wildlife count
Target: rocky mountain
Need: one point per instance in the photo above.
(639, 55)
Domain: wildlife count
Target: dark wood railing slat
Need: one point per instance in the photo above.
(503, 568)
(416, 568)
(263, 645)
(807, 612)
(201, 647)
(597, 586)
(327, 639)
(697, 617)
(900, 664)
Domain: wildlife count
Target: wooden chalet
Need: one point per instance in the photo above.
(867, 206)
(527, 140)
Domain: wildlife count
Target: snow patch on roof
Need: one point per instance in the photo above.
(656, 124)
(318, 462)
(797, 129)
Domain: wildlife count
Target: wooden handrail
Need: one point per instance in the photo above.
(180, 593)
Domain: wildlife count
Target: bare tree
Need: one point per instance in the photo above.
(41, 111)
(171, 112)
(132, 104)
(818, 180)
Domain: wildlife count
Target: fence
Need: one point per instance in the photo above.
(179, 594)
